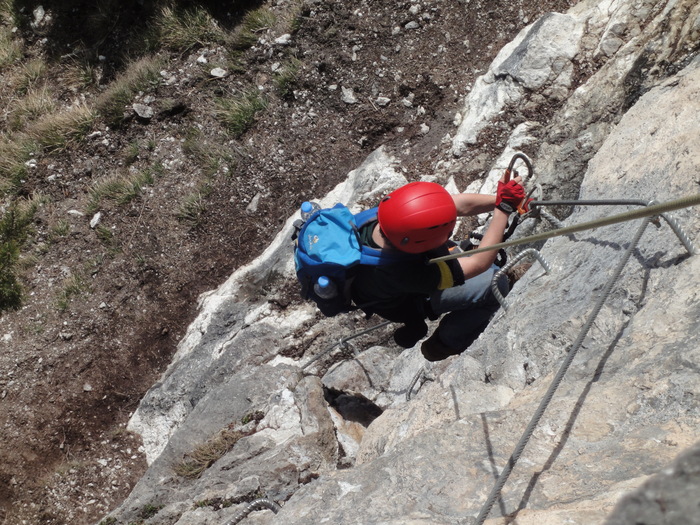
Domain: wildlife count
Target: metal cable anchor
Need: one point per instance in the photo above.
(421, 378)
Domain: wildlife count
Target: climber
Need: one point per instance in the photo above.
(418, 218)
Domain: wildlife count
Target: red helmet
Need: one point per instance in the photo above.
(417, 217)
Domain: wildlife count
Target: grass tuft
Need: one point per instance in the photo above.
(284, 79)
(73, 286)
(35, 104)
(183, 30)
(254, 22)
(10, 47)
(15, 151)
(193, 207)
(209, 157)
(121, 189)
(58, 130)
(14, 228)
(237, 113)
(31, 72)
(141, 75)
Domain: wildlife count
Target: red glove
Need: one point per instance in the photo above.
(509, 195)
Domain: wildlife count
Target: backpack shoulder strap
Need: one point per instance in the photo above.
(365, 217)
(373, 256)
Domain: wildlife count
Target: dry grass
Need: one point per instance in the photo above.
(204, 456)
(10, 47)
(55, 131)
(36, 103)
(141, 75)
(183, 30)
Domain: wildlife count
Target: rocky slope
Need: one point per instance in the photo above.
(257, 397)
(342, 439)
(111, 280)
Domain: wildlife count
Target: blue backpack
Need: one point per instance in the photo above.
(328, 244)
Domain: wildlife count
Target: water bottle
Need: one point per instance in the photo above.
(308, 208)
(325, 288)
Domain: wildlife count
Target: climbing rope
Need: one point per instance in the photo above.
(614, 202)
(258, 504)
(649, 211)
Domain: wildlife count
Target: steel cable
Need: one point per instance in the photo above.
(258, 504)
(343, 342)
(503, 477)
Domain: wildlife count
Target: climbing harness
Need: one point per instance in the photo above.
(258, 504)
(647, 214)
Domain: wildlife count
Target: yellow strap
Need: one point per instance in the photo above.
(446, 280)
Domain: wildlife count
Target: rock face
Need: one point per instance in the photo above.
(351, 444)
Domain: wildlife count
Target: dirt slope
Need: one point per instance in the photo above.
(74, 366)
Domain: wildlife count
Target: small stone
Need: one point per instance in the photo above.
(348, 96)
(383, 101)
(87, 387)
(283, 40)
(143, 111)
(218, 72)
(95, 220)
(412, 25)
